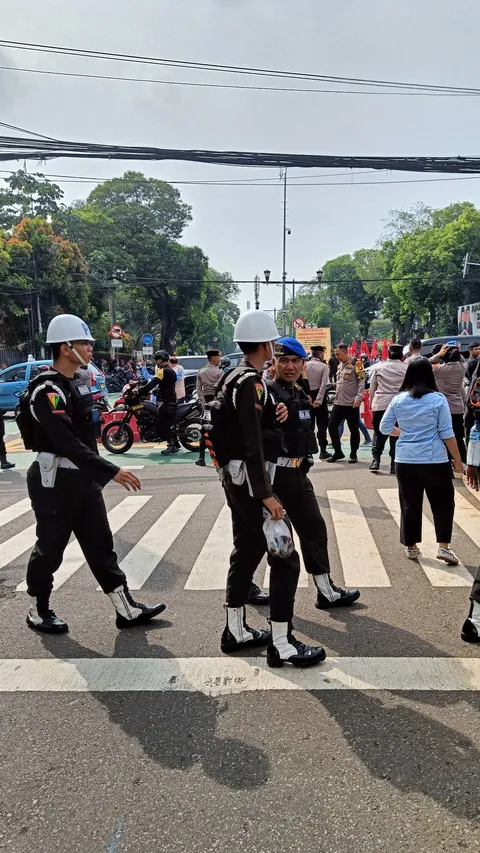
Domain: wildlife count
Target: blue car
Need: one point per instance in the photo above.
(14, 380)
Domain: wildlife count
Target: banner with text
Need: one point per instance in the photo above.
(469, 319)
(316, 337)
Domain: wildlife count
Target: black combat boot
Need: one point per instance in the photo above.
(393, 470)
(238, 635)
(130, 612)
(329, 595)
(41, 618)
(336, 456)
(257, 596)
(285, 648)
(471, 626)
(4, 465)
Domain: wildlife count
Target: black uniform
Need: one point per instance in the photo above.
(293, 487)
(64, 424)
(163, 386)
(254, 439)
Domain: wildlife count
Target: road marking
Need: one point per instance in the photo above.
(438, 573)
(224, 676)
(472, 492)
(467, 517)
(145, 556)
(16, 545)
(361, 560)
(10, 513)
(211, 566)
(302, 580)
(74, 557)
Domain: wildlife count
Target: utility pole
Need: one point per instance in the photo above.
(256, 284)
(112, 312)
(285, 232)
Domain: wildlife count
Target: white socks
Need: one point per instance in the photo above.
(475, 617)
(122, 605)
(236, 624)
(280, 640)
(325, 588)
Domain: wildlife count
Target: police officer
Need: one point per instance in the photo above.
(317, 374)
(4, 463)
(292, 485)
(207, 378)
(247, 482)
(163, 386)
(65, 483)
(348, 399)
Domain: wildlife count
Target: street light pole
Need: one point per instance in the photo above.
(285, 232)
(256, 286)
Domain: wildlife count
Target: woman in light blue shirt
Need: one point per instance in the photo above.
(420, 416)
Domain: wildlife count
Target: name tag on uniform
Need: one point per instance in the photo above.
(83, 390)
(304, 415)
(207, 415)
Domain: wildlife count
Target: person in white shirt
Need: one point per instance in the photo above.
(385, 382)
(180, 383)
(414, 349)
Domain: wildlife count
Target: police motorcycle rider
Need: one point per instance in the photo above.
(250, 430)
(163, 386)
(292, 485)
(57, 419)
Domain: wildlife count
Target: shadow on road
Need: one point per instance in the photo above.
(176, 730)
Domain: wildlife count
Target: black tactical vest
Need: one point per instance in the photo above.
(297, 432)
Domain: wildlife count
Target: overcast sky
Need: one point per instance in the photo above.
(240, 227)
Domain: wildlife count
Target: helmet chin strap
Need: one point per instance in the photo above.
(77, 354)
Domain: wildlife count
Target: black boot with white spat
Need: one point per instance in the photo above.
(41, 618)
(285, 648)
(238, 635)
(329, 595)
(471, 626)
(130, 612)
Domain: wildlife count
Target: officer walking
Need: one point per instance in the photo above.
(292, 485)
(163, 386)
(348, 398)
(471, 626)
(4, 463)
(207, 378)
(317, 375)
(57, 419)
(385, 382)
(250, 419)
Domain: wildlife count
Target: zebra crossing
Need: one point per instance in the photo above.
(361, 560)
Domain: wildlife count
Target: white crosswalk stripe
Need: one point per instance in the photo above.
(439, 574)
(360, 558)
(73, 557)
(145, 556)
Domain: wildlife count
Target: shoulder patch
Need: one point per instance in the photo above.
(259, 390)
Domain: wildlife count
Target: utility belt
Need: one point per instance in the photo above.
(289, 462)
(49, 464)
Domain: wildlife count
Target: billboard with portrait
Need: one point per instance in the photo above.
(469, 319)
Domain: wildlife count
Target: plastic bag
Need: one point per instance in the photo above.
(278, 536)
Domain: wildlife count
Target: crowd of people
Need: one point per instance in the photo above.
(261, 421)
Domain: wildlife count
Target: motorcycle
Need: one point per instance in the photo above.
(118, 437)
(330, 396)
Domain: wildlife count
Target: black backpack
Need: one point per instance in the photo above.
(23, 415)
(217, 415)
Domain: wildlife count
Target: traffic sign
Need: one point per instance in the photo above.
(147, 339)
(147, 351)
(299, 323)
(116, 331)
(117, 343)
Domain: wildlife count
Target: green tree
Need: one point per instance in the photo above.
(343, 280)
(28, 195)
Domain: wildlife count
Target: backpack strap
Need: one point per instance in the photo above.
(241, 374)
(279, 390)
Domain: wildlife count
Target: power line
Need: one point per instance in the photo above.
(28, 132)
(190, 83)
(12, 148)
(231, 69)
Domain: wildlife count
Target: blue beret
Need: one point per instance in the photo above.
(290, 346)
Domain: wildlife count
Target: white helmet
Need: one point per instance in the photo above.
(255, 327)
(65, 328)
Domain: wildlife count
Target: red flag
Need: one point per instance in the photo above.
(385, 350)
(353, 347)
(374, 352)
(364, 349)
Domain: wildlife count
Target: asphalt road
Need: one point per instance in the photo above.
(166, 766)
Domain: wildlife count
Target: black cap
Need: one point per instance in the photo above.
(211, 352)
(317, 347)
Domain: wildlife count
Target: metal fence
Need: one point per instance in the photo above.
(12, 356)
